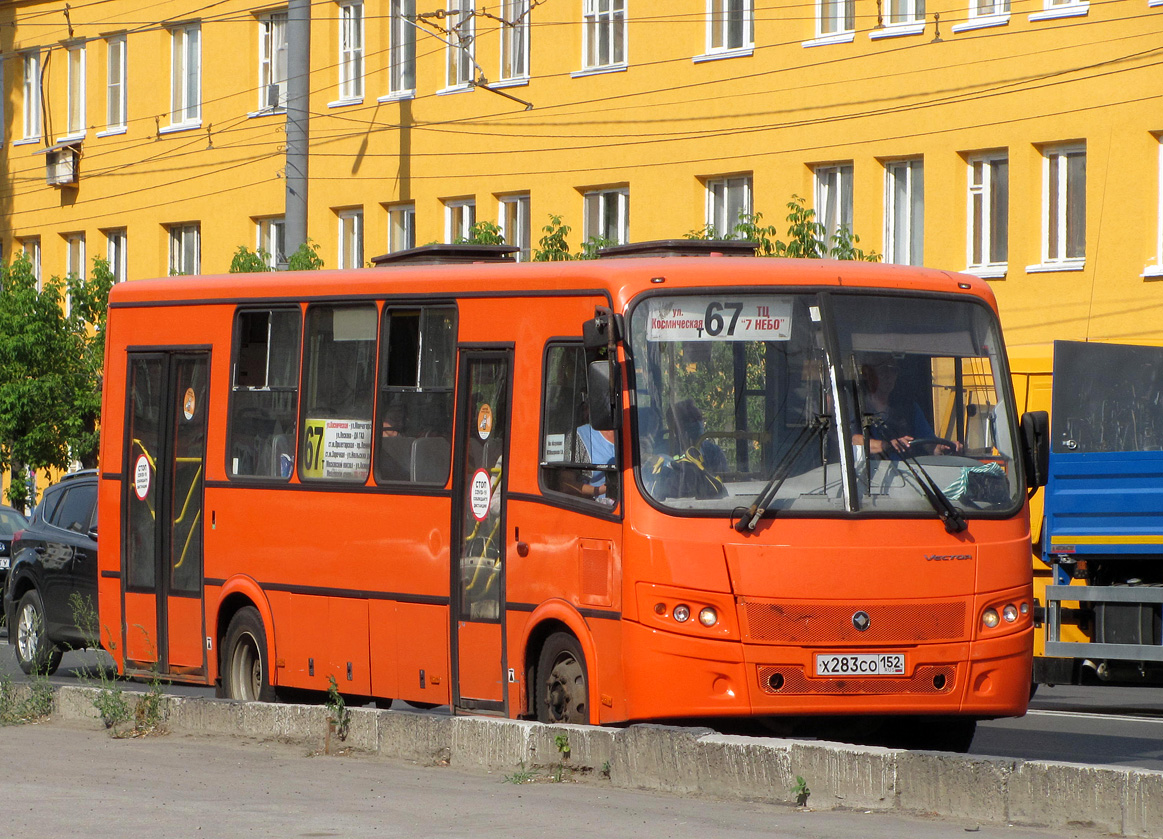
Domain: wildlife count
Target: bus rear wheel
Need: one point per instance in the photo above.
(244, 669)
(562, 684)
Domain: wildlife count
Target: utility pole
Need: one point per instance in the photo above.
(298, 131)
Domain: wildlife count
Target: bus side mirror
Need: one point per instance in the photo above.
(603, 394)
(1035, 429)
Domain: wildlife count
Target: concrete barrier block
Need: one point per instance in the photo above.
(423, 738)
(746, 768)
(72, 703)
(1143, 814)
(590, 748)
(657, 757)
(362, 731)
(840, 775)
(1067, 795)
(956, 786)
(488, 743)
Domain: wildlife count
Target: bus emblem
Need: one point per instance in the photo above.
(861, 621)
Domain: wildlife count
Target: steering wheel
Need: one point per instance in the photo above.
(928, 445)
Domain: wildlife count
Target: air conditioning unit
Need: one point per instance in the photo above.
(62, 164)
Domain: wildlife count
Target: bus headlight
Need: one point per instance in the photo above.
(681, 613)
(990, 618)
(1010, 613)
(708, 616)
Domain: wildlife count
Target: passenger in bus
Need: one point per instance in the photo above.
(598, 447)
(894, 427)
(691, 427)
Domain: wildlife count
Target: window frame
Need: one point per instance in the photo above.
(1057, 202)
(185, 248)
(76, 121)
(842, 194)
(116, 84)
(728, 183)
(186, 76)
(515, 31)
(719, 25)
(513, 215)
(1156, 270)
(457, 222)
(117, 252)
(401, 223)
(460, 48)
(31, 246)
(605, 204)
(351, 244)
(273, 46)
(270, 237)
(981, 231)
(1052, 10)
(604, 34)
(402, 48)
(33, 122)
(835, 21)
(906, 239)
(351, 47)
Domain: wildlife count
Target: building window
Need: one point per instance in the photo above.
(115, 88)
(607, 216)
(402, 46)
(834, 200)
(604, 33)
(186, 75)
(74, 263)
(904, 12)
(989, 213)
(271, 240)
(30, 247)
(835, 17)
(116, 254)
(32, 110)
(75, 124)
(728, 201)
(1157, 269)
(988, 8)
(401, 227)
(515, 224)
(351, 51)
(351, 239)
(460, 49)
(515, 39)
(459, 217)
(1064, 200)
(185, 249)
(272, 62)
(1052, 9)
(729, 25)
(904, 217)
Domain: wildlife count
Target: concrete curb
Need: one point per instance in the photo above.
(1117, 800)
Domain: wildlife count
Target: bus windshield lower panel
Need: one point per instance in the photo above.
(747, 396)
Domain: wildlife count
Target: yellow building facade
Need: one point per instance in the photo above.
(1015, 139)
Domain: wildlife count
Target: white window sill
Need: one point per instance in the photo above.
(519, 81)
(1071, 10)
(267, 112)
(1152, 272)
(26, 141)
(455, 88)
(828, 40)
(181, 126)
(598, 71)
(983, 22)
(988, 272)
(719, 55)
(343, 103)
(1154, 3)
(398, 96)
(897, 30)
(71, 138)
(1049, 267)
(113, 132)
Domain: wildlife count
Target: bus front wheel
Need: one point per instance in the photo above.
(245, 672)
(562, 684)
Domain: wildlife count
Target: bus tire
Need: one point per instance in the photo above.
(245, 672)
(562, 694)
(34, 652)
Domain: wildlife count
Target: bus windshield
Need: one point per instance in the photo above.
(822, 403)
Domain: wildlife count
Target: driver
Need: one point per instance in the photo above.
(894, 429)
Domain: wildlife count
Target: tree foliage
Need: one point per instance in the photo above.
(305, 258)
(50, 368)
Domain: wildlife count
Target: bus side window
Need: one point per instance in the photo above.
(576, 460)
(264, 397)
(414, 411)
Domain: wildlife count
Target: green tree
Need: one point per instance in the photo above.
(246, 261)
(50, 368)
(483, 233)
(554, 245)
(305, 258)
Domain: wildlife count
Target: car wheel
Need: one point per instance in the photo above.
(34, 652)
(562, 685)
(244, 670)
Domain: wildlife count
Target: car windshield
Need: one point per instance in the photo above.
(10, 522)
(745, 398)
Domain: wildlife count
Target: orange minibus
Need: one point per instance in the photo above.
(668, 483)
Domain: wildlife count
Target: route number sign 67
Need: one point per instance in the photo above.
(743, 317)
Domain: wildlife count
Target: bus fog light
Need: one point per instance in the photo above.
(990, 618)
(707, 616)
(682, 613)
(1010, 613)
(1025, 608)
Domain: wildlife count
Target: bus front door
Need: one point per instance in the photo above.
(478, 531)
(161, 573)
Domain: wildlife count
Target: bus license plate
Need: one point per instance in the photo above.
(863, 664)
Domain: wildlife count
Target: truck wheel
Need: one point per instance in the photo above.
(34, 652)
(562, 684)
(244, 670)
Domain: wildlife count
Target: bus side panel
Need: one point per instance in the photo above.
(383, 630)
(422, 647)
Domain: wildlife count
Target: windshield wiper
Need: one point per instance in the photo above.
(938, 500)
(750, 519)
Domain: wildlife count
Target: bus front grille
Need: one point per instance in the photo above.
(832, 623)
(789, 680)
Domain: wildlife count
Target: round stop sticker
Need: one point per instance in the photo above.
(480, 493)
(141, 477)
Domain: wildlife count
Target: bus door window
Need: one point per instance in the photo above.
(338, 389)
(577, 460)
(265, 393)
(415, 395)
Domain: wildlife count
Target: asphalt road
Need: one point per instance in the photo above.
(1090, 725)
(63, 781)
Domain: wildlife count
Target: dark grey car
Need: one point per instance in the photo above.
(54, 558)
(11, 521)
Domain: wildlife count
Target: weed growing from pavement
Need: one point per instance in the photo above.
(522, 776)
(801, 792)
(338, 714)
(19, 707)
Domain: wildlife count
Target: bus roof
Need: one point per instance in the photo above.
(621, 279)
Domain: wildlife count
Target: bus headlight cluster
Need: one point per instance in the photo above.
(681, 613)
(1009, 613)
